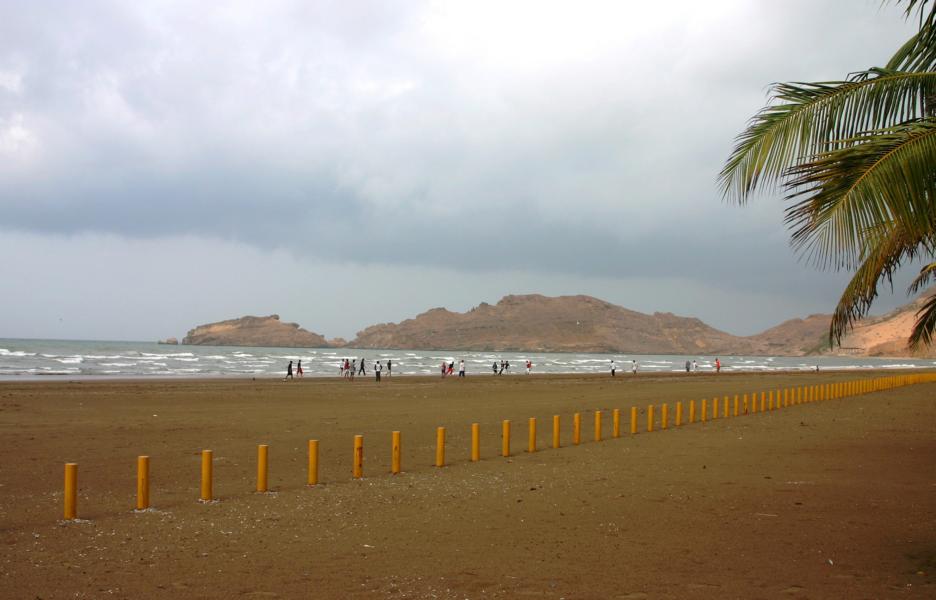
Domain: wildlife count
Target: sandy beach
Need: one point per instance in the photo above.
(832, 499)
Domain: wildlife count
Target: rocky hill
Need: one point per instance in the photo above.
(254, 331)
(561, 324)
(577, 324)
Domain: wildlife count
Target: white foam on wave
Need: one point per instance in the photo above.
(181, 359)
(118, 364)
(70, 360)
(5, 352)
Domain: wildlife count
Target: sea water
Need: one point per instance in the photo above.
(55, 359)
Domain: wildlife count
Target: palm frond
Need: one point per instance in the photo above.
(879, 179)
(887, 249)
(922, 279)
(923, 329)
(803, 119)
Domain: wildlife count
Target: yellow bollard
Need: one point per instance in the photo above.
(692, 411)
(440, 447)
(396, 458)
(597, 425)
(649, 418)
(576, 429)
(71, 491)
(616, 423)
(664, 416)
(704, 410)
(736, 405)
(505, 438)
(531, 442)
(770, 402)
(678, 413)
(556, 431)
(745, 404)
(206, 475)
(715, 407)
(633, 420)
(725, 409)
(763, 401)
(358, 471)
(142, 483)
(313, 462)
(262, 467)
(786, 397)
(475, 442)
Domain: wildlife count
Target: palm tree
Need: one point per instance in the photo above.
(856, 160)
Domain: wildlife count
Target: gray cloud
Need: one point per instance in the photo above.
(482, 140)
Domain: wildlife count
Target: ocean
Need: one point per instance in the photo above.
(69, 359)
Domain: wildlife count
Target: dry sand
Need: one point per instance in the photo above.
(826, 500)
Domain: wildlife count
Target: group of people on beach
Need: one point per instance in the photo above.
(348, 368)
(614, 367)
(449, 368)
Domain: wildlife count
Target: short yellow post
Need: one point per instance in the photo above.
(262, 467)
(71, 491)
(725, 405)
(763, 401)
(704, 410)
(576, 429)
(505, 438)
(142, 483)
(556, 431)
(715, 408)
(633, 420)
(531, 441)
(770, 401)
(664, 416)
(313, 462)
(206, 476)
(475, 442)
(649, 418)
(358, 471)
(786, 397)
(440, 447)
(396, 459)
(799, 395)
(736, 405)
(678, 413)
(616, 422)
(692, 411)
(745, 404)
(597, 425)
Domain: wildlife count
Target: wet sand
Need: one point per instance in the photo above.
(832, 499)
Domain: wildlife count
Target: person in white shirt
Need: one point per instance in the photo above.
(613, 368)
(461, 368)
(634, 367)
(377, 369)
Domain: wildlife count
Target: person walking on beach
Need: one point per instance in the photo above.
(461, 368)
(289, 374)
(529, 366)
(494, 367)
(613, 368)
(377, 369)
(451, 367)
(634, 367)
(299, 368)
(688, 366)
(501, 372)
(695, 367)
(363, 371)
(353, 368)
(717, 365)
(507, 366)
(389, 367)
(443, 367)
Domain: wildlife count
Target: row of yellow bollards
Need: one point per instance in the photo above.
(742, 404)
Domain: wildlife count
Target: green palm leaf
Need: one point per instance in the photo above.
(809, 118)
(882, 178)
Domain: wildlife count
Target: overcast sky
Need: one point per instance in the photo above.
(167, 164)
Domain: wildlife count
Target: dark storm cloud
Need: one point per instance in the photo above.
(478, 137)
